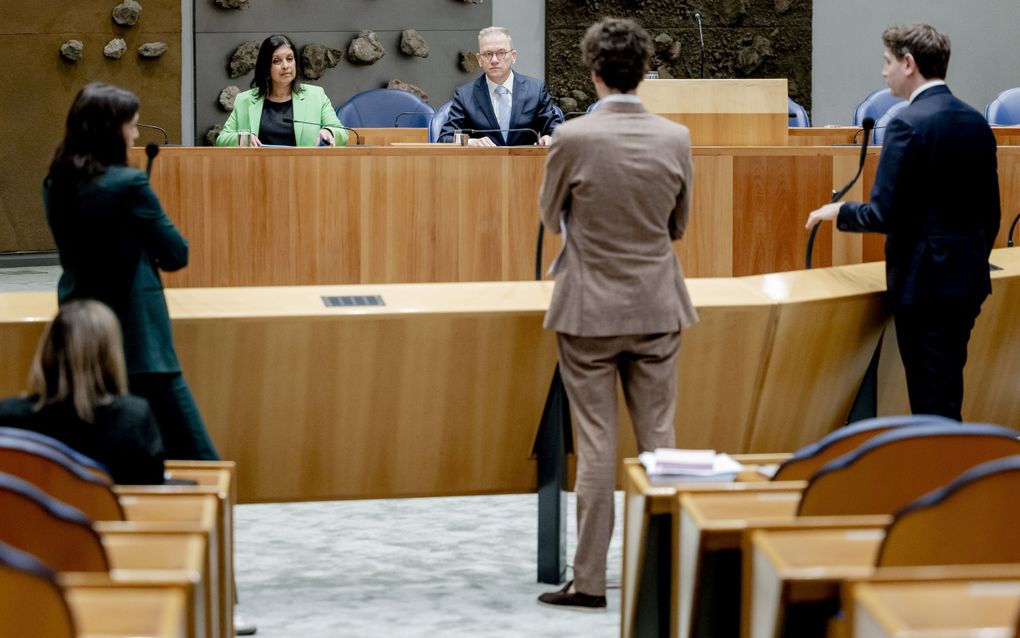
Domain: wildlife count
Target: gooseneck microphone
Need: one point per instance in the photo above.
(151, 151)
(867, 125)
(701, 40)
(538, 138)
(290, 120)
(396, 120)
(166, 136)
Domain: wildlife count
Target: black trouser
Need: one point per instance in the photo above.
(180, 424)
(933, 345)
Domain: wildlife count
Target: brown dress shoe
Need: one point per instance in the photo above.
(574, 599)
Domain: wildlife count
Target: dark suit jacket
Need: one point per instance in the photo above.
(531, 107)
(621, 179)
(936, 197)
(123, 435)
(113, 238)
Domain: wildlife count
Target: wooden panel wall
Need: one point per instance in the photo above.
(40, 84)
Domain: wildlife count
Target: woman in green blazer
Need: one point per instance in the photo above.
(279, 110)
(113, 239)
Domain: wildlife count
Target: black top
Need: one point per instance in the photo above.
(272, 128)
(124, 436)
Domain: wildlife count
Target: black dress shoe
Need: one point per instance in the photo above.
(574, 599)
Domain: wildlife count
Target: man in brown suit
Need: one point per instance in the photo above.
(618, 185)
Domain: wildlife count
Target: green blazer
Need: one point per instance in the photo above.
(113, 239)
(311, 104)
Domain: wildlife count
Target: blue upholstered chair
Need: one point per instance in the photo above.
(810, 458)
(594, 105)
(436, 123)
(385, 108)
(875, 105)
(797, 114)
(1004, 110)
(903, 464)
(880, 125)
(88, 463)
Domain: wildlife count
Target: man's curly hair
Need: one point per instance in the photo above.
(618, 50)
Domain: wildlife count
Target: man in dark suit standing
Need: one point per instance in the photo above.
(618, 186)
(501, 99)
(936, 198)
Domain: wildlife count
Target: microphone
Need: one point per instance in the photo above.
(701, 40)
(290, 120)
(866, 125)
(538, 137)
(151, 151)
(396, 120)
(166, 136)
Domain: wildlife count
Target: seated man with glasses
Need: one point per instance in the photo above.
(501, 100)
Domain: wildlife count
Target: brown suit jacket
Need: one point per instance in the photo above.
(620, 178)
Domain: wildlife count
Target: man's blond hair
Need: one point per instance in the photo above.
(495, 31)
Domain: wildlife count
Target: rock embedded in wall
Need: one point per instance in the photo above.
(316, 59)
(72, 50)
(732, 11)
(152, 49)
(752, 56)
(127, 13)
(365, 49)
(782, 6)
(568, 104)
(243, 60)
(115, 48)
(412, 43)
(227, 97)
(469, 62)
(410, 88)
(212, 134)
(233, 4)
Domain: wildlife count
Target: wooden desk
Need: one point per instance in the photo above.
(316, 403)
(985, 608)
(651, 532)
(258, 217)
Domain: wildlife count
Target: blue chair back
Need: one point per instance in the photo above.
(85, 461)
(797, 114)
(878, 135)
(436, 124)
(384, 108)
(594, 105)
(1004, 110)
(894, 468)
(559, 113)
(875, 105)
(810, 458)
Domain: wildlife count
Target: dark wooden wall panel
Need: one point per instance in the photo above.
(40, 84)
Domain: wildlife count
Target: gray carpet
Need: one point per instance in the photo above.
(461, 566)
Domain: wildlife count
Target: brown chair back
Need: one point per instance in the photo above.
(31, 602)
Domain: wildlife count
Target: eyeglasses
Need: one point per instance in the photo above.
(494, 55)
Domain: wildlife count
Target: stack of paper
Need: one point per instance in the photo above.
(666, 465)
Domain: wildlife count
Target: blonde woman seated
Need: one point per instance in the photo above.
(279, 110)
(77, 394)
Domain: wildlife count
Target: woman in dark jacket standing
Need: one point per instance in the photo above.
(114, 238)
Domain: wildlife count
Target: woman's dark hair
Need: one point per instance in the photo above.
(619, 51)
(264, 62)
(94, 137)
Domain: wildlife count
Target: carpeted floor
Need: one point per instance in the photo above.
(462, 566)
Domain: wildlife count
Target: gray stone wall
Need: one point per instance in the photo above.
(448, 26)
(743, 38)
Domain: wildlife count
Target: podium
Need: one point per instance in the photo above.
(722, 112)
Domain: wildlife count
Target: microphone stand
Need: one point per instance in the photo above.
(701, 39)
(290, 120)
(867, 125)
(166, 136)
(538, 138)
(1009, 237)
(396, 120)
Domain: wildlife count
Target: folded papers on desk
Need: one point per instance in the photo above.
(666, 466)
